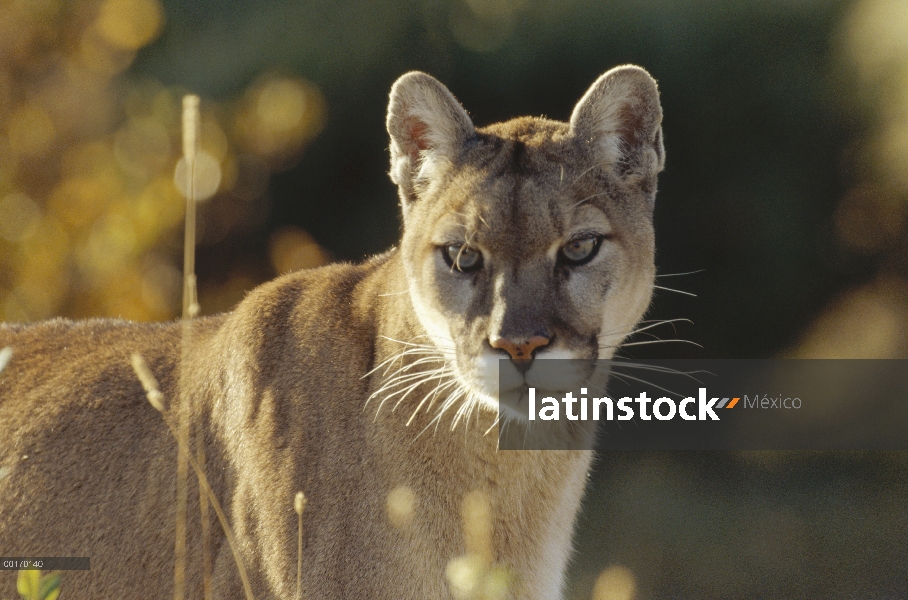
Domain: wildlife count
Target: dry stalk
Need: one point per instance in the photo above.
(190, 307)
(156, 399)
(299, 504)
(5, 355)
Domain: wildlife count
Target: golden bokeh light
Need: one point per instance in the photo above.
(477, 523)
(281, 104)
(868, 220)
(90, 176)
(142, 147)
(475, 575)
(213, 139)
(162, 283)
(464, 575)
(875, 35)
(20, 215)
(871, 219)
(110, 243)
(292, 248)
(892, 152)
(97, 56)
(874, 44)
(401, 506)
(615, 583)
(130, 24)
(206, 176)
(868, 322)
(30, 131)
(278, 116)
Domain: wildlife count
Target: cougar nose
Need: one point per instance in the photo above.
(521, 352)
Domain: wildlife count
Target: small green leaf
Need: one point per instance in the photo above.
(50, 587)
(29, 583)
(53, 594)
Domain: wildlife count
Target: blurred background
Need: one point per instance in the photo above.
(781, 216)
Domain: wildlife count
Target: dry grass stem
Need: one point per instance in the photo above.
(190, 126)
(299, 505)
(205, 518)
(150, 384)
(5, 355)
(148, 381)
(190, 143)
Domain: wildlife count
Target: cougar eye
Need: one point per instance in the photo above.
(465, 259)
(580, 251)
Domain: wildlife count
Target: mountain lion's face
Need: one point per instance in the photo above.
(530, 239)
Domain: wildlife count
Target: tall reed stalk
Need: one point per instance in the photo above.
(190, 142)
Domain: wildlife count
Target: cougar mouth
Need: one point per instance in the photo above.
(504, 387)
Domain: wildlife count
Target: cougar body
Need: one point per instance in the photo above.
(527, 240)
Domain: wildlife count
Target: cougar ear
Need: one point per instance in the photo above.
(620, 120)
(428, 128)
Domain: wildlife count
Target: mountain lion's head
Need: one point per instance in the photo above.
(529, 239)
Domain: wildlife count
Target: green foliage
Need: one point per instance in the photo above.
(32, 585)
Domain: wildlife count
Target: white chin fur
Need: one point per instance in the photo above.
(506, 411)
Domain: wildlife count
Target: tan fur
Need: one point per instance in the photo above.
(287, 392)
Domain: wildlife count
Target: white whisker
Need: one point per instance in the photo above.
(576, 179)
(624, 376)
(430, 397)
(408, 352)
(668, 289)
(390, 339)
(588, 198)
(663, 322)
(405, 391)
(632, 330)
(661, 369)
(677, 274)
(414, 386)
(645, 342)
(494, 423)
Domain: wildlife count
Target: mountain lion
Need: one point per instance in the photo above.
(528, 239)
